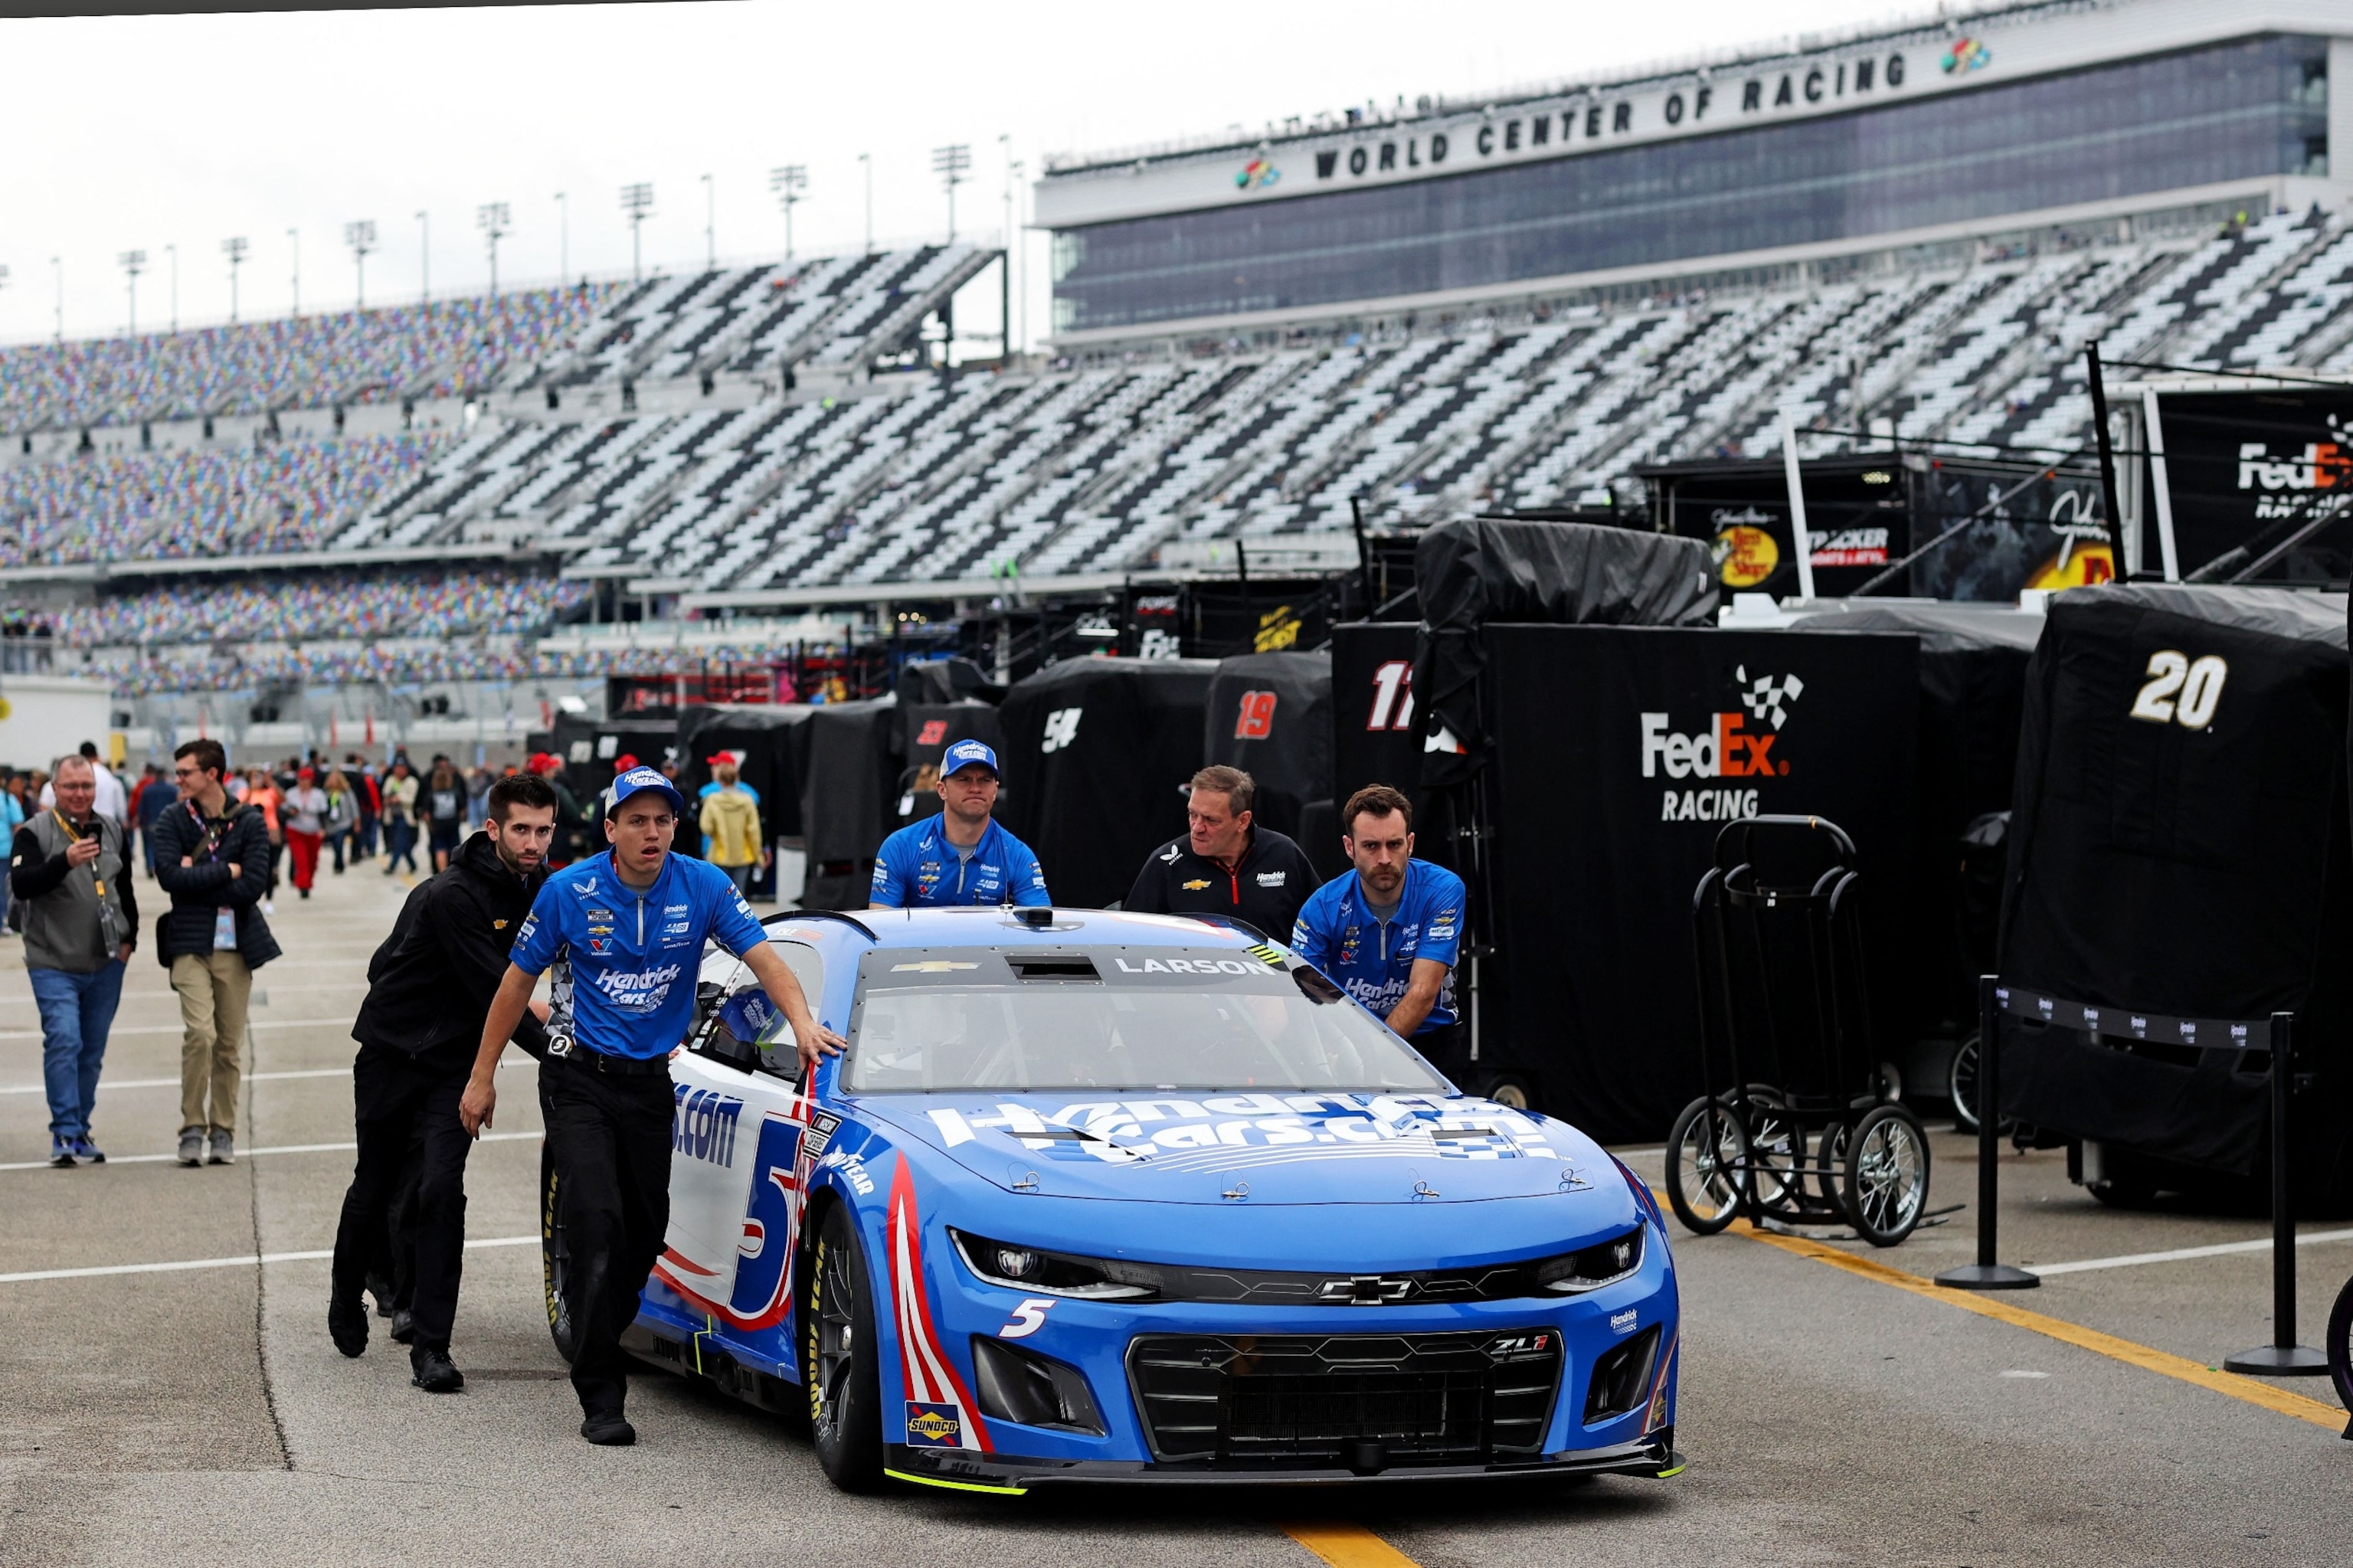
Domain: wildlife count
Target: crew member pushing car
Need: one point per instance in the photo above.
(962, 855)
(1388, 932)
(623, 932)
(1226, 864)
(429, 985)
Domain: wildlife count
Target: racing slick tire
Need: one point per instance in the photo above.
(1707, 1166)
(2339, 1345)
(554, 1256)
(1886, 1175)
(838, 1364)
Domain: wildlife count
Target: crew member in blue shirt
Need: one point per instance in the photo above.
(960, 856)
(623, 932)
(1388, 932)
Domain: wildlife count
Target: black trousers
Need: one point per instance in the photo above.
(610, 1138)
(406, 1114)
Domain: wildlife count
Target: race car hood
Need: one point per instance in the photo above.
(1259, 1148)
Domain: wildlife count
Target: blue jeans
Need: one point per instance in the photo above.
(402, 837)
(76, 1013)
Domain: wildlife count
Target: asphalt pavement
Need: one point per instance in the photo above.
(200, 1414)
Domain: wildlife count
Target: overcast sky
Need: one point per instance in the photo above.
(138, 133)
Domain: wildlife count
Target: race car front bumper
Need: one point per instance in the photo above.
(962, 1469)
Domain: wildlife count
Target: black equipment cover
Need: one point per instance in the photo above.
(953, 679)
(928, 730)
(2196, 871)
(848, 797)
(1564, 574)
(1103, 787)
(1604, 821)
(589, 748)
(1375, 738)
(773, 740)
(1973, 661)
(1270, 715)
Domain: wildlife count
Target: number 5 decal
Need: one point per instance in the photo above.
(1026, 1319)
(2198, 684)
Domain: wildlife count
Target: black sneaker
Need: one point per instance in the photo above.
(403, 1327)
(433, 1371)
(609, 1430)
(347, 1323)
(380, 1286)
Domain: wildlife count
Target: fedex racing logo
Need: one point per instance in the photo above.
(2321, 467)
(1727, 748)
(702, 1125)
(644, 989)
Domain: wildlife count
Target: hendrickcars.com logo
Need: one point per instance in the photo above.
(1732, 745)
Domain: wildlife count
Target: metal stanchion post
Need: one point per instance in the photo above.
(1985, 1274)
(2283, 1357)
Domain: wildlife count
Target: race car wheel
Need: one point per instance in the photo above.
(1707, 1166)
(554, 1256)
(1886, 1175)
(2339, 1345)
(845, 1399)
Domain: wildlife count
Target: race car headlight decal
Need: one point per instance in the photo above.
(1591, 1268)
(1056, 1272)
(1015, 1384)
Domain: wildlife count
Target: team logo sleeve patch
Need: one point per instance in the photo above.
(939, 1411)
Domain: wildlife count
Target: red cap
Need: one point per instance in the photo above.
(624, 762)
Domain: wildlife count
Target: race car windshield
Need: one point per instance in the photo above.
(1114, 1017)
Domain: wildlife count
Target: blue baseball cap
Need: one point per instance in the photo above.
(637, 778)
(963, 754)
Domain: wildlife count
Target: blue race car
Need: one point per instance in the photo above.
(1097, 1196)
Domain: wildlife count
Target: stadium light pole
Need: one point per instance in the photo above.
(493, 219)
(709, 223)
(424, 259)
(359, 235)
(57, 266)
(173, 253)
(234, 248)
(1005, 258)
(791, 185)
(562, 235)
(866, 163)
(132, 263)
(1021, 282)
(637, 200)
(294, 238)
(953, 166)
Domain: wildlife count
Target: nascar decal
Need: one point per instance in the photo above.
(762, 1292)
(940, 1412)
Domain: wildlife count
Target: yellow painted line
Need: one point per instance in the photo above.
(1348, 1546)
(2250, 1390)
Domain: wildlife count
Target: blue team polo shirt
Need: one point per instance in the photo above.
(625, 961)
(1373, 960)
(919, 868)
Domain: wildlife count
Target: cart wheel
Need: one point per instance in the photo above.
(1707, 1166)
(1830, 1164)
(1887, 1175)
(1778, 1147)
(1511, 1091)
(1961, 1085)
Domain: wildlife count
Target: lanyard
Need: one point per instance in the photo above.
(96, 880)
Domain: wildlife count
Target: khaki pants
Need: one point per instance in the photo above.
(214, 990)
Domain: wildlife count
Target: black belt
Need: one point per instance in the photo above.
(614, 1067)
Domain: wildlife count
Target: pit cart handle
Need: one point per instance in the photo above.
(1733, 839)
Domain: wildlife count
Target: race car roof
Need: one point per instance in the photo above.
(989, 926)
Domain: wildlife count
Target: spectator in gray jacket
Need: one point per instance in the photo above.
(71, 867)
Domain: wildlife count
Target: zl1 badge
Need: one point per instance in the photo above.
(933, 1425)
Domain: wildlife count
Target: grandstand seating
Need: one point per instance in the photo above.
(925, 478)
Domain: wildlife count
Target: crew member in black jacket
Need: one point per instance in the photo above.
(430, 988)
(1226, 864)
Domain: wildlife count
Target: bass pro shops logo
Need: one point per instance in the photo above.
(1734, 746)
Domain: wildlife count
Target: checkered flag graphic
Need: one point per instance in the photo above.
(1768, 697)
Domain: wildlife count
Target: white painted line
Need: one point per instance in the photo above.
(2220, 1249)
(247, 1153)
(175, 1029)
(111, 1084)
(248, 1261)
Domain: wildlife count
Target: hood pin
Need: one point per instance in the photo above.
(1239, 1191)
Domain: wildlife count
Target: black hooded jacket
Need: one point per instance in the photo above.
(431, 984)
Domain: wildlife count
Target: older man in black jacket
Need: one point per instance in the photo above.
(213, 856)
(429, 988)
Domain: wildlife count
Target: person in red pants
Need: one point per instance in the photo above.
(304, 813)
